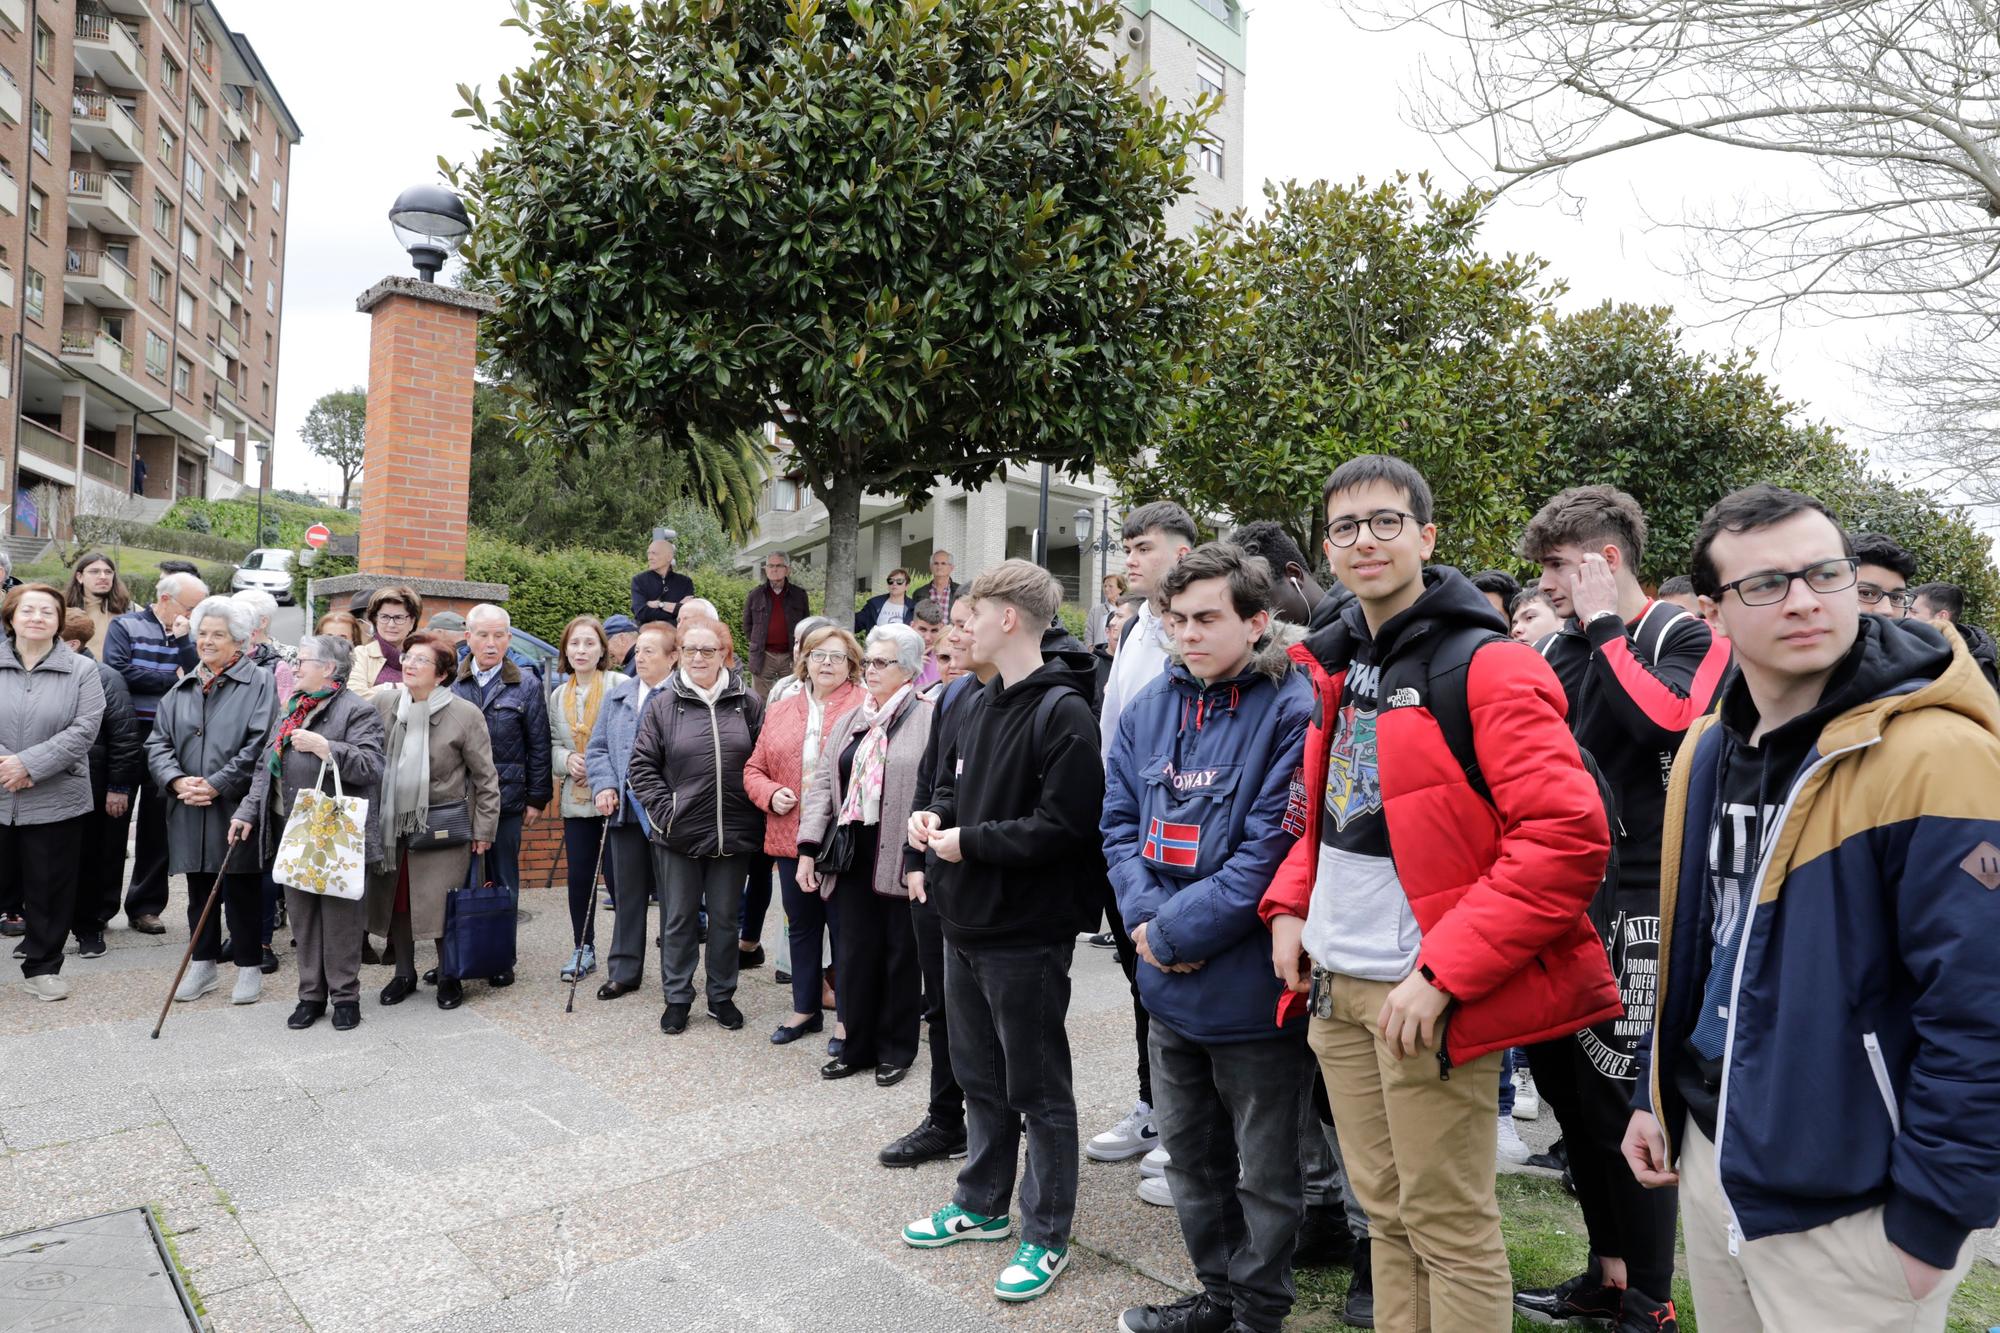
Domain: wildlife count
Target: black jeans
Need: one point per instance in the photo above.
(811, 922)
(1128, 959)
(1624, 1219)
(242, 902)
(1010, 1051)
(100, 878)
(631, 852)
(947, 1109)
(147, 895)
(1229, 1117)
(581, 839)
(756, 900)
(881, 988)
(39, 862)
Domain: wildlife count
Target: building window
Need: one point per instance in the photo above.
(197, 115)
(277, 196)
(1207, 154)
(256, 164)
(190, 244)
(183, 375)
(1221, 10)
(1209, 75)
(156, 355)
(163, 214)
(250, 271)
(271, 250)
(196, 178)
(156, 287)
(185, 312)
(38, 208)
(170, 76)
(169, 144)
(45, 47)
(267, 396)
(267, 347)
(270, 298)
(37, 294)
(199, 45)
(44, 125)
(177, 13)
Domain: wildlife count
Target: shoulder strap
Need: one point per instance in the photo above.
(1444, 666)
(1131, 623)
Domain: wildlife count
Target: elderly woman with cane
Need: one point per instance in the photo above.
(438, 807)
(324, 723)
(865, 784)
(207, 740)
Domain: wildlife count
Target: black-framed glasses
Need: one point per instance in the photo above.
(1771, 586)
(1871, 595)
(883, 663)
(1386, 524)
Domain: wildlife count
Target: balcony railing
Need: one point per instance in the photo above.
(97, 185)
(93, 27)
(226, 463)
(103, 467)
(42, 442)
(86, 343)
(103, 267)
(88, 104)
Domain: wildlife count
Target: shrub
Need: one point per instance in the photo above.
(285, 521)
(324, 566)
(94, 531)
(546, 589)
(197, 521)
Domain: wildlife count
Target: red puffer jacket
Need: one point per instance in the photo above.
(1500, 891)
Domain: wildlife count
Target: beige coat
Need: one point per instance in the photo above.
(461, 770)
(574, 806)
(909, 733)
(363, 667)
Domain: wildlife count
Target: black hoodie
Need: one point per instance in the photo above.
(1025, 788)
(1984, 652)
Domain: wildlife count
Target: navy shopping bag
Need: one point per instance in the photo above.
(479, 930)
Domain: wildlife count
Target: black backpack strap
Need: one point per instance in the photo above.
(1131, 623)
(1443, 665)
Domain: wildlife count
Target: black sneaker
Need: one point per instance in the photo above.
(928, 1142)
(1199, 1313)
(307, 1014)
(1640, 1313)
(1582, 1297)
(1325, 1240)
(270, 961)
(1359, 1311)
(90, 946)
(750, 957)
(727, 1014)
(674, 1019)
(1104, 939)
(346, 1015)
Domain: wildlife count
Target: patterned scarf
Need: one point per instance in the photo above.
(208, 677)
(863, 803)
(580, 709)
(302, 704)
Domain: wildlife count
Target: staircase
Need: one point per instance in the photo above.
(24, 550)
(152, 511)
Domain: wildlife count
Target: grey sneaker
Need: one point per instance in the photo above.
(46, 987)
(201, 978)
(249, 985)
(1134, 1136)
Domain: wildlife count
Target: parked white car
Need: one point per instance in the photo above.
(268, 568)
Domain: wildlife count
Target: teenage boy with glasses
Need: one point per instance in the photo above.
(1434, 922)
(1883, 575)
(1823, 1062)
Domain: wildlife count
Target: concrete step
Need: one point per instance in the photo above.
(24, 550)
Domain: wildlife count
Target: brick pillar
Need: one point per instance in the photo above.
(418, 463)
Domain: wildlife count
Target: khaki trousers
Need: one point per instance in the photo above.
(777, 666)
(1420, 1151)
(1843, 1274)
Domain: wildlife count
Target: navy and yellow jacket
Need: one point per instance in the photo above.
(1862, 1062)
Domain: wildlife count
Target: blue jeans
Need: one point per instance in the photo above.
(1508, 1063)
(809, 919)
(502, 862)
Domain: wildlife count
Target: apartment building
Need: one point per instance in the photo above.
(145, 156)
(1180, 50)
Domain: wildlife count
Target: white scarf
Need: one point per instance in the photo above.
(713, 692)
(408, 807)
(863, 803)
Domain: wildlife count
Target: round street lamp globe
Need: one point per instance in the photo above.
(429, 222)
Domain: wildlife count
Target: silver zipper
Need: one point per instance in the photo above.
(1880, 1068)
(1736, 983)
(715, 738)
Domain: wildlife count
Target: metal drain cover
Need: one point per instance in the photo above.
(106, 1274)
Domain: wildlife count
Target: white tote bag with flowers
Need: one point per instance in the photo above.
(325, 846)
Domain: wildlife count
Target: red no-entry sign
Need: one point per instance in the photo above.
(317, 534)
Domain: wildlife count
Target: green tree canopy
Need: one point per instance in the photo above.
(1378, 325)
(336, 429)
(925, 236)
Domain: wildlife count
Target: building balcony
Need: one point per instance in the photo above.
(107, 363)
(225, 463)
(96, 200)
(99, 279)
(99, 124)
(10, 98)
(6, 289)
(15, 14)
(229, 231)
(211, 356)
(228, 404)
(55, 455)
(104, 468)
(108, 52)
(10, 193)
(234, 127)
(228, 179)
(232, 284)
(225, 337)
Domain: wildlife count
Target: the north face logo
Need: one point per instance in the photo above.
(1404, 698)
(1983, 864)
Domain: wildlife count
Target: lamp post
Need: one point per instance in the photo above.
(263, 448)
(1090, 536)
(429, 222)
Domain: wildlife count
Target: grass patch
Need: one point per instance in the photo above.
(1543, 1228)
(180, 1265)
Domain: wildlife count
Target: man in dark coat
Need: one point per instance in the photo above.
(770, 613)
(517, 719)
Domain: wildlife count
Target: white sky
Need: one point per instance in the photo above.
(374, 89)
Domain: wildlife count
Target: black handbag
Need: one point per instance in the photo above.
(836, 854)
(447, 825)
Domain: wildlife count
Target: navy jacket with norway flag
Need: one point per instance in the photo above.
(1203, 797)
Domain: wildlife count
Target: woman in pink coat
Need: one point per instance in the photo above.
(789, 750)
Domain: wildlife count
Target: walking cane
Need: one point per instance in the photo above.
(590, 921)
(214, 892)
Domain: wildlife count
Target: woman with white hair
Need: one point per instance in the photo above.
(208, 737)
(279, 659)
(862, 796)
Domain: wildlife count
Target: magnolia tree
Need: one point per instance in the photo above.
(924, 238)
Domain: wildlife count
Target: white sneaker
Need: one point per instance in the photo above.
(1153, 1166)
(201, 978)
(46, 987)
(1129, 1138)
(1510, 1148)
(1527, 1102)
(1156, 1191)
(249, 985)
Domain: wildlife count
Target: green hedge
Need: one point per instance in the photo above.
(547, 589)
(236, 520)
(138, 582)
(155, 537)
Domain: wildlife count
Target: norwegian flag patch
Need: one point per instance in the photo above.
(1177, 845)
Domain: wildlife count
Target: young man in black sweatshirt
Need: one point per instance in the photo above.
(1013, 823)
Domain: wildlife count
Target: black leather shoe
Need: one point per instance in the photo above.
(346, 1016)
(1582, 1297)
(1198, 1313)
(368, 955)
(727, 1014)
(431, 977)
(834, 1069)
(750, 957)
(674, 1019)
(270, 962)
(611, 990)
(307, 1014)
(888, 1076)
(928, 1142)
(786, 1033)
(782, 977)
(504, 979)
(398, 990)
(451, 992)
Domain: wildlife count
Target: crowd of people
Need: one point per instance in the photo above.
(1380, 862)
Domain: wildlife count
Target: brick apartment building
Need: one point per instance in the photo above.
(144, 162)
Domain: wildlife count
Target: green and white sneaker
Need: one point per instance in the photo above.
(951, 1224)
(1034, 1271)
